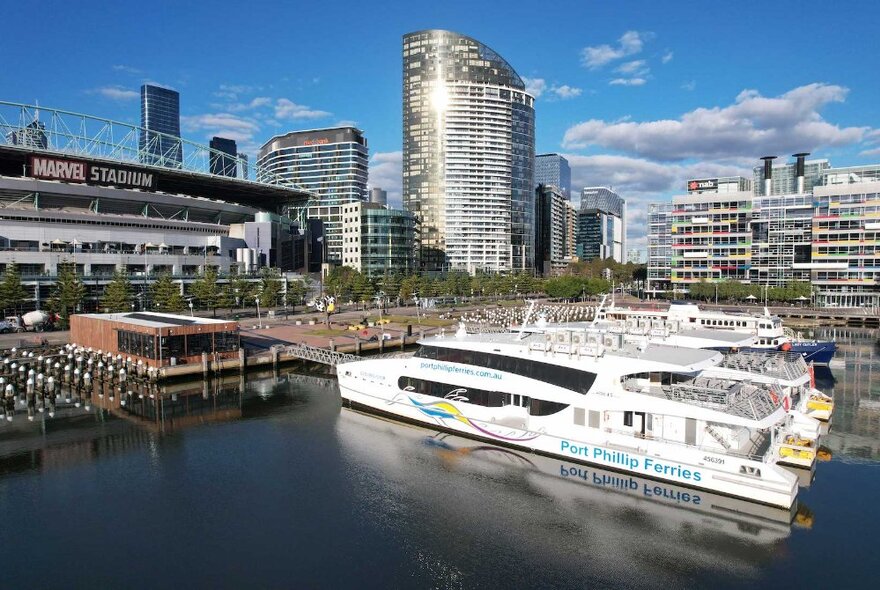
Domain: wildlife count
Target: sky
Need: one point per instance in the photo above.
(639, 95)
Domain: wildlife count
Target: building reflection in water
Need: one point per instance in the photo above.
(121, 423)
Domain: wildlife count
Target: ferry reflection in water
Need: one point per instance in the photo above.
(565, 514)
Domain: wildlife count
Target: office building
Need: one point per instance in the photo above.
(330, 163)
(378, 196)
(659, 247)
(823, 230)
(634, 256)
(601, 229)
(468, 154)
(553, 169)
(784, 176)
(159, 141)
(224, 163)
(32, 135)
(555, 223)
(378, 240)
(845, 258)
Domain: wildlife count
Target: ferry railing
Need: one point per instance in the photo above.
(789, 366)
(761, 439)
(740, 399)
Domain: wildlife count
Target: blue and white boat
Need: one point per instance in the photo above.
(768, 330)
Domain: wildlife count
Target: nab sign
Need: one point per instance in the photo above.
(702, 185)
(67, 170)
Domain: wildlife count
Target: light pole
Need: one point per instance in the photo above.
(191, 309)
(259, 317)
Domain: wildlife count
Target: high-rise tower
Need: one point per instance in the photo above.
(468, 154)
(160, 116)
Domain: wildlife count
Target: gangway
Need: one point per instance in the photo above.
(319, 355)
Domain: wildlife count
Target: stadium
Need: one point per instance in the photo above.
(88, 192)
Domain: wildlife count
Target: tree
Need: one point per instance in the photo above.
(117, 295)
(408, 286)
(296, 291)
(239, 290)
(67, 295)
(206, 291)
(166, 295)
(269, 290)
(362, 288)
(12, 293)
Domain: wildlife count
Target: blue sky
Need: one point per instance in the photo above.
(639, 95)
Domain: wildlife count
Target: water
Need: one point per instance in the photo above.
(278, 488)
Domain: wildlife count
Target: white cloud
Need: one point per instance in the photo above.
(254, 103)
(565, 91)
(386, 172)
(628, 82)
(667, 57)
(117, 93)
(233, 91)
(752, 124)
(222, 125)
(870, 152)
(633, 68)
(127, 69)
(689, 85)
(629, 43)
(287, 109)
(535, 86)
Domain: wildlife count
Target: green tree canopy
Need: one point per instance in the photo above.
(206, 291)
(67, 294)
(117, 296)
(12, 292)
(166, 296)
(269, 289)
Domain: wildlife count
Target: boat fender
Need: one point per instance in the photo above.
(786, 403)
(774, 397)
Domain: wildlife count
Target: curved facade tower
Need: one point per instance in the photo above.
(468, 154)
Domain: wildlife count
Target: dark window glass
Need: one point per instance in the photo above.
(567, 377)
(627, 418)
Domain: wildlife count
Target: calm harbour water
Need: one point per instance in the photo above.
(278, 487)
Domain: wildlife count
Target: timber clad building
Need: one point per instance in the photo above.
(157, 339)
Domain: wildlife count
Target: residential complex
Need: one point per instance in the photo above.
(159, 137)
(377, 240)
(825, 231)
(329, 163)
(468, 154)
(553, 169)
(601, 230)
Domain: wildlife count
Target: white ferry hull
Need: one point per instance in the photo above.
(693, 467)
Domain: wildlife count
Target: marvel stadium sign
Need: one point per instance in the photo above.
(68, 170)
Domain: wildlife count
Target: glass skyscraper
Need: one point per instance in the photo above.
(468, 154)
(160, 117)
(224, 163)
(331, 163)
(553, 169)
(601, 229)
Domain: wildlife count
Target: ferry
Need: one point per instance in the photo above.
(768, 329)
(646, 409)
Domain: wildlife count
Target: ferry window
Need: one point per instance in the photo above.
(579, 416)
(627, 418)
(566, 377)
(594, 419)
(540, 407)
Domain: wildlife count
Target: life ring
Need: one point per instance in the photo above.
(786, 403)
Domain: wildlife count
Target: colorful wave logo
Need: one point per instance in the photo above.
(443, 410)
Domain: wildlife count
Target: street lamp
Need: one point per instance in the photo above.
(191, 309)
(259, 317)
